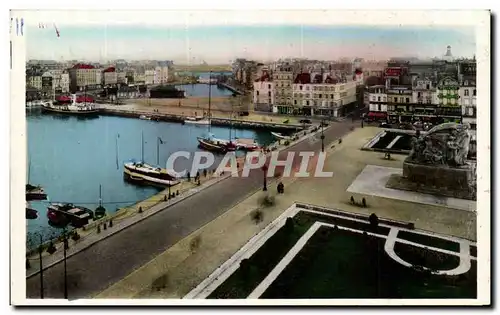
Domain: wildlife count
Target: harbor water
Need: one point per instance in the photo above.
(203, 89)
(71, 156)
(200, 89)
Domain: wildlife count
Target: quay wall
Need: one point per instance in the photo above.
(231, 88)
(235, 123)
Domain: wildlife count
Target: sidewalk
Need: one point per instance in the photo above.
(127, 217)
(178, 270)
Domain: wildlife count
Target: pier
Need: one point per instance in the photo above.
(215, 121)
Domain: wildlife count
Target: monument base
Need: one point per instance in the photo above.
(436, 180)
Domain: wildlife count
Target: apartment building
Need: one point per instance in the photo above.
(448, 94)
(377, 101)
(320, 94)
(263, 93)
(85, 77)
(149, 76)
(468, 92)
(283, 79)
(48, 91)
(162, 75)
(121, 77)
(110, 76)
(60, 80)
(34, 81)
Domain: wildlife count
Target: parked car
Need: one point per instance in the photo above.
(244, 113)
(305, 121)
(385, 125)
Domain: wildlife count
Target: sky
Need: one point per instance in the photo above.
(223, 43)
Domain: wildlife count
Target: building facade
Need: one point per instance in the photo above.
(149, 76)
(448, 94)
(110, 76)
(121, 77)
(468, 92)
(283, 79)
(35, 81)
(377, 100)
(48, 91)
(85, 77)
(161, 75)
(263, 93)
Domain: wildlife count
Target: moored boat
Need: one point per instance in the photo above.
(60, 214)
(247, 144)
(72, 106)
(145, 117)
(198, 120)
(138, 171)
(210, 145)
(279, 136)
(35, 193)
(31, 214)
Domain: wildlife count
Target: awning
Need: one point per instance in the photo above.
(377, 114)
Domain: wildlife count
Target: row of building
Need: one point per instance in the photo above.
(308, 89)
(435, 92)
(51, 80)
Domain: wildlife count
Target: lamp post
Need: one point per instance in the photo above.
(40, 249)
(322, 137)
(65, 244)
(264, 170)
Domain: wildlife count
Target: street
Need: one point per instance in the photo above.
(108, 261)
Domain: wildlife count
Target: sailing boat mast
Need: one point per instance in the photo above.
(209, 100)
(100, 195)
(29, 169)
(142, 147)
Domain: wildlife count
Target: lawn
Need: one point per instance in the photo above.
(428, 240)
(340, 264)
(244, 280)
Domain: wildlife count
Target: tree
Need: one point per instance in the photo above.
(373, 220)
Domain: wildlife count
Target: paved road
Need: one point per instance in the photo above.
(97, 267)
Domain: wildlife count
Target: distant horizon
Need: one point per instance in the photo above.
(223, 44)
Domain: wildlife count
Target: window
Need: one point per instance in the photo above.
(379, 107)
(307, 103)
(300, 87)
(295, 102)
(320, 96)
(466, 92)
(407, 100)
(428, 86)
(269, 93)
(269, 86)
(379, 98)
(419, 94)
(474, 92)
(257, 93)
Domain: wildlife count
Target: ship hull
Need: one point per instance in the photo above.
(205, 145)
(93, 112)
(146, 178)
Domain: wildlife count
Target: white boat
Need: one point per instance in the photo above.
(280, 136)
(35, 104)
(74, 107)
(198, 120)
(144, 117)
(138, 171)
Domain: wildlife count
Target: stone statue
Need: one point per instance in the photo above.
(445, 144)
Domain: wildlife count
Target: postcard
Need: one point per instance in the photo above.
(250, 158)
